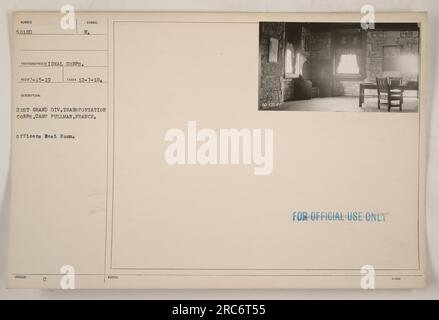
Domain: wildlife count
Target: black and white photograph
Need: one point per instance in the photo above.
(339, 67)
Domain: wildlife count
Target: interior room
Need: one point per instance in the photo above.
(338, 67)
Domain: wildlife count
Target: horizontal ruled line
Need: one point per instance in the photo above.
(39, 66)
(103, 50)
(25, 82)
(60, 34)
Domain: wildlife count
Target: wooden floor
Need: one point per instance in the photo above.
(346, 104)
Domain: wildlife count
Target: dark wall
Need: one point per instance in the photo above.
(376, 40)
(274, 87)
(374, 59)
(270, 86)
(321, 62)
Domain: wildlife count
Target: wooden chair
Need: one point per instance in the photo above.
(387, 95)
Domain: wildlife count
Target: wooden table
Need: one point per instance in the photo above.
(364, 86)
(411, 85)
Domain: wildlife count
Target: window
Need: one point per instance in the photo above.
(289, 59)
(292, 61)
(349, 54)
(348, 64)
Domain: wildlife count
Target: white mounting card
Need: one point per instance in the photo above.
(217, 150)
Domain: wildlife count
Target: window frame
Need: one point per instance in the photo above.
(361, 47)
(295, 73)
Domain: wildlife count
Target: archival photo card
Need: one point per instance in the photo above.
(141, 156)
